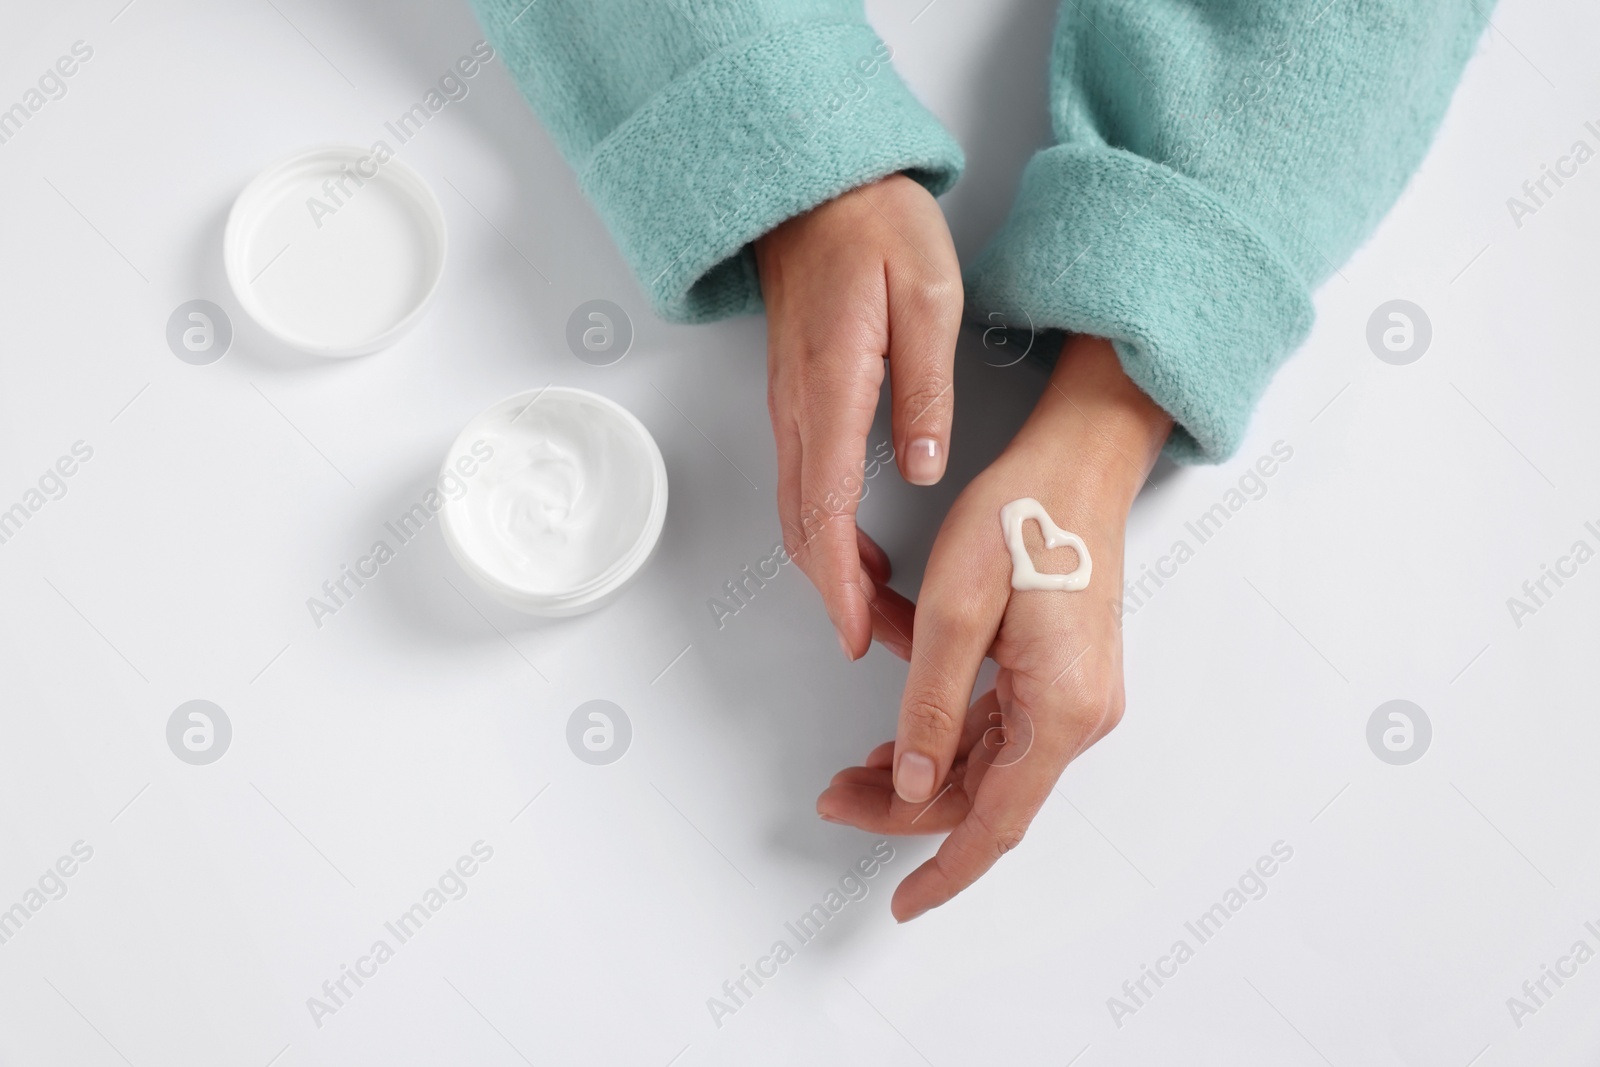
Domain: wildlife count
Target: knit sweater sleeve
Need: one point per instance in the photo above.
(1215, 161)
(695, 126)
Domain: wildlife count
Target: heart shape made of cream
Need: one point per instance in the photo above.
(1023, 573)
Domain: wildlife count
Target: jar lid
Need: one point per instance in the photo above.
(336, 251)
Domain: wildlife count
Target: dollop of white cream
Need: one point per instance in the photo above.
(1023, 573)
(563, 501)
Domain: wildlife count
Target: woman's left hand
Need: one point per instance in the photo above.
(982, 773)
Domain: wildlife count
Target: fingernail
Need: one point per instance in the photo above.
(913, 778)
(924, 461)
(845, 646)
(830, 818)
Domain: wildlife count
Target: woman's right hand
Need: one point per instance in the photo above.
(869, 275)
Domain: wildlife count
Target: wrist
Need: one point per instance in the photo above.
(1094, 426)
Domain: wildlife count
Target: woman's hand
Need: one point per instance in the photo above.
(983, 772)
(868, 275)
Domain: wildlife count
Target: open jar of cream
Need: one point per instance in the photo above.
(564, 497)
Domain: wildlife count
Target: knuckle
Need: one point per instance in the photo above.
(1082, 680)
(926, 399)
(1001, 839)
(924, 716)
(1097, 697)
(794, 544)
(807, 546)
(1094, 714)
(1112, 716)
(935, 294)
(1007, 839)
(836, 386)
(946, 862)
(818, 518)
(954, 622)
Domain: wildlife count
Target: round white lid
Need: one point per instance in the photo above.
(336, 251)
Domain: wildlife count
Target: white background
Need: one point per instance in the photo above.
(369, 754)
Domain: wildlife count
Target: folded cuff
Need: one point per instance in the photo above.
(1201, 307)
(755, 135)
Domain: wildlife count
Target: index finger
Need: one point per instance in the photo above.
(1011, 792)
(955, 624)
(833, 448)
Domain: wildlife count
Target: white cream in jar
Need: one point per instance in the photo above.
(569, 507)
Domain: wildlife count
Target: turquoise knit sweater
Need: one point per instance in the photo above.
(1214, 160)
